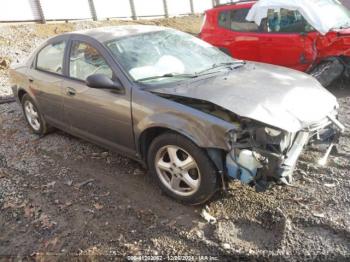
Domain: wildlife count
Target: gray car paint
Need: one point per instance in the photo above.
(112, 119)
(151, 111)
(118, 120)
(103, 116)
(273, 95)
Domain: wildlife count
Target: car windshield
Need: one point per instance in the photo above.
(166, 56)
(334, 13)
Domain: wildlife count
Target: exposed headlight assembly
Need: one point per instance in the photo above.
(272, 132)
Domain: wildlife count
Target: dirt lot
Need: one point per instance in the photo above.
(62, 196)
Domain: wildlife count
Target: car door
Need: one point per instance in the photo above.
(46, 78)
(100, 115)
(238, 36)
(286, 40)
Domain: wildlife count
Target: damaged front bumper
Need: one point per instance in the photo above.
(256, 163)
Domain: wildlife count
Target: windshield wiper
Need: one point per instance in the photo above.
(175, 75)
(169, 75)
(225, 64)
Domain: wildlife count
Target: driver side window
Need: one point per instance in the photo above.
(286, 21)
(85, 60)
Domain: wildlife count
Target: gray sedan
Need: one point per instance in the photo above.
(191, 114)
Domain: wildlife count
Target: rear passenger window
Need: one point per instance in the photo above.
(224, 18)
(50, 58)
(235, 20)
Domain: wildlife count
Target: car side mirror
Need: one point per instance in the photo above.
(103, 82)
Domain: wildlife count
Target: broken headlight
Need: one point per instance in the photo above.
(256, 135)
(272, 139)
(272, 132)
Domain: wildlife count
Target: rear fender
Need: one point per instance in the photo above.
(20, 82)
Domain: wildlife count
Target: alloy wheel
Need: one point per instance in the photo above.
(32, 115)
(177, 170)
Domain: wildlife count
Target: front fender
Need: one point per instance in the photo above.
(333, 45)
(150, 111)
(203, 133)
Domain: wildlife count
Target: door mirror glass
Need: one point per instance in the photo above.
(102, 81)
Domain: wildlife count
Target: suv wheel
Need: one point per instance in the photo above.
(182, 170)
(33, 116)
(327, 72)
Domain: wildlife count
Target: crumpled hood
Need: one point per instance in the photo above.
(280, 97)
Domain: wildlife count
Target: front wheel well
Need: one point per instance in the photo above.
(329, 70)
(21, 93)
(147, 137)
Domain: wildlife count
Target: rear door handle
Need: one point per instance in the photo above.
(70, 91)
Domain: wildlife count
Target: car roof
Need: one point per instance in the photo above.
(104, 34)
(235, 4)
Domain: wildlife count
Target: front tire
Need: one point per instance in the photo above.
(328, 71)
(182, 170)
(33, 116)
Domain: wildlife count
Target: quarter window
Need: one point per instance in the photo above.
(85, 60)
(50, 58)
(235, 20)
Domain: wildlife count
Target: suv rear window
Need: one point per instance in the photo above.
(235, 20)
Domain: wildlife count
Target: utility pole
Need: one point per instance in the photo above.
(216, 2)
(192, 7)
(40, 10)
(92, 10)
(133, 10)
(166, 11)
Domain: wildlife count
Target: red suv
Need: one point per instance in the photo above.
(285, 36)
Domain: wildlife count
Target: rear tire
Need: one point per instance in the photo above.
(33, 116)
(182, 170)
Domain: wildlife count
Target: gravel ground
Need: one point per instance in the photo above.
(62, 196)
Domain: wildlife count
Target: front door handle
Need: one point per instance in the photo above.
(70, 91)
